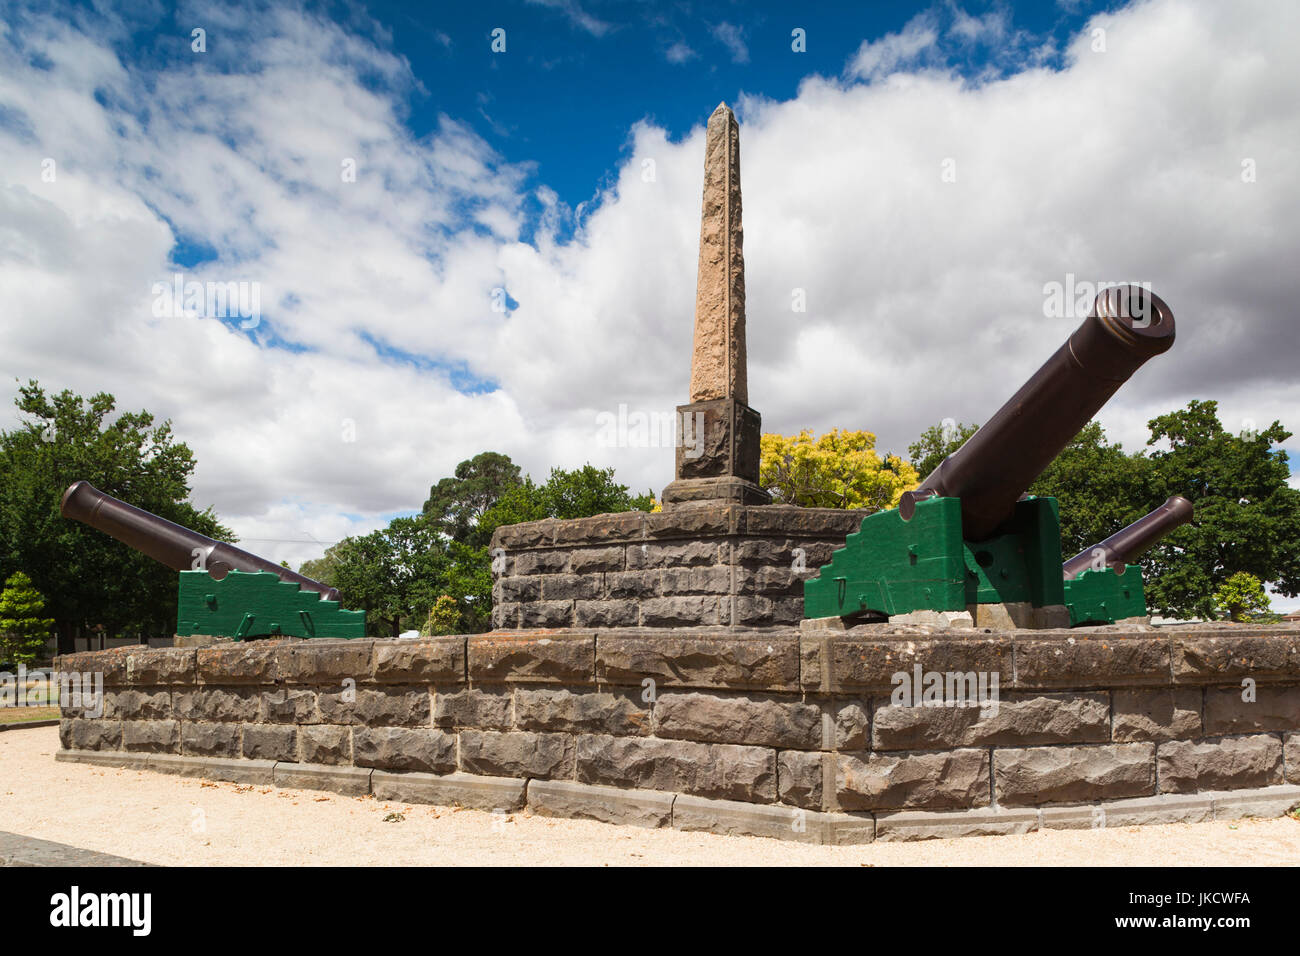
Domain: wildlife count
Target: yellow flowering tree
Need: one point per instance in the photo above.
(840, 469)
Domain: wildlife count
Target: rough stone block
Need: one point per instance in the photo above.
(632, 584)
(528, 534)
(1156, 713)
(161, 665)
(683, 611)
(1232, 657)
(83, 734)
(618, 712)
(426, 661)
(288, 705)
(864, 662)
(853, 725)
(473, 708)
(348, 781)
(1228, 763)
(1034, 775)
(595, 560)
(572, 587)
(452, 790)
(707, 660)
(519, 754)
(325, 662)
(1272, 707)
(1098, 660)
(138, 704)
(151, 736)
(1291, 757)
(616, 613)
(324, 744)
(531, 658)
(754, 611)
(255, 662)
(110, 665)
(955, 779)
(1022, 720)
(392, 705)
(506, 616)
(398, 748)
(217, 704)
(210, 740)
(799, 779)
(738, 719)
(270, 742)
(518, 588)
(538, 562)
(718, 770)
(598, 529)
(712, 580)
(542, 614)
(678, 554)
(583, 801)
(907, 825)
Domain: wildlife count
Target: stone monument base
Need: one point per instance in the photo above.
(799, 735)
(713, 565)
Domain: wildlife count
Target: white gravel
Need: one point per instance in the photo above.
(165, 819)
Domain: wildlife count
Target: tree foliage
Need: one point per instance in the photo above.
(24, 630)
(840, 469)
(89, 578)
(936, 443)
(421, 569)
(1242, 598)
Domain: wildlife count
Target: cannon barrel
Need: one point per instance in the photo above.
(1124, 547)
(167, 542)
(992, 470)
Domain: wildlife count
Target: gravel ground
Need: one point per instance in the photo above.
(164, 819)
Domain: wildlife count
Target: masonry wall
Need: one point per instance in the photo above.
(704, 565)
(774, 732)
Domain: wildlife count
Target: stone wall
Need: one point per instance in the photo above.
(707, 565)
(777, 732)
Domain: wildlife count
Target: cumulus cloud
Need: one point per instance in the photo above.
(408, 325)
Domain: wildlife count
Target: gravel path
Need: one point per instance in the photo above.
(158, 818)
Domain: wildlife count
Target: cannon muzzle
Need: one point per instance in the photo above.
(1124, 547)
(167, 542)
(992, 470)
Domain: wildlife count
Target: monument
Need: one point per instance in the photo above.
(658, 669)
(724, 467)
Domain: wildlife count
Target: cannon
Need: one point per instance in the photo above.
(223, 589)
(1127, 545)
(969, 535)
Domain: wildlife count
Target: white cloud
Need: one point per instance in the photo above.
(679, 53)
(733, 38)
(894, 50)
(924, 297)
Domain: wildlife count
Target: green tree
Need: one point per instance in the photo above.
(1242, 598)
(90, 579)
(936, 443)
(394, 574)
(444, 617)
(23, 629)
(455, 504)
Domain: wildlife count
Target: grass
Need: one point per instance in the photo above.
(23, 715)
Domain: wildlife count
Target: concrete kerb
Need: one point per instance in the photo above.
(655, 809)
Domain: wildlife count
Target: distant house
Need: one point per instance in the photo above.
(1292, 617)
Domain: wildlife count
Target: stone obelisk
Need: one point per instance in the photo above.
(718, 446)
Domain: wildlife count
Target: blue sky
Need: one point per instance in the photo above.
(501, 271)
